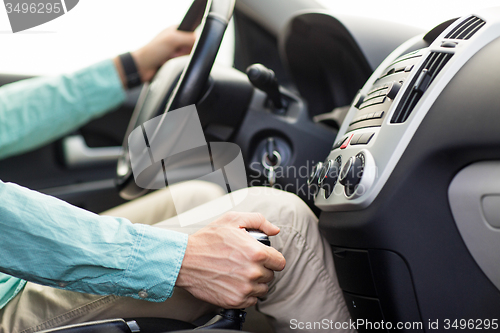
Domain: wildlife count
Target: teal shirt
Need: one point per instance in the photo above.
(47, 241)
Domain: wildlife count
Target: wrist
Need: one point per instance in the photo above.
(131, 70)
(120, 71)
(142, 62)
(183, 279)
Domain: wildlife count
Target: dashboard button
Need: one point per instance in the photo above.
(355, 139)
(365, 138)
(373, 101)
(449, 44)
(339, 143)
(346, 142)
(358, 100)
(393, 91)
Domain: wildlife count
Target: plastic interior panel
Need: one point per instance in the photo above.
(468, 192)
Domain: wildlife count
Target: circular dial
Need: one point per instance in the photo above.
(352, 172)
(314, 176)
(329, 175)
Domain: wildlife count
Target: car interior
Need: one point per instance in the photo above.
(390, 133)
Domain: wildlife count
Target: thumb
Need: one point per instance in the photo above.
(257, 221)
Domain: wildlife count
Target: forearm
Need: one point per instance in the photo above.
(36, 111)
(47, 241)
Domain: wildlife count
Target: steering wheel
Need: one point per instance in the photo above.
(170, 90)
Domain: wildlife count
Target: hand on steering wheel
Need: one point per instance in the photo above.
(168, 44)
(175, 89)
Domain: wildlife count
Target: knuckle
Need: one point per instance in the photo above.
(269, 277)
(230, 216)
(233, 303)
(251, 302)
(254, 274)
(258, 255)
(260, 217)
(265, 289)
(246, 290)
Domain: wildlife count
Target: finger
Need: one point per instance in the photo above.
(183, 38)
(258, 222)
(274, 260)
(180, 52)
(260, 274)
(260, 290)
(250, 301)
(267, 275)
(185, 49)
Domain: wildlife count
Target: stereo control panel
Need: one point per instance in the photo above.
(388, 110)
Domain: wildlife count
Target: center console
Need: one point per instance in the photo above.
(385, 190)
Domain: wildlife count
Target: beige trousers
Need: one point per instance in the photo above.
(306, 291)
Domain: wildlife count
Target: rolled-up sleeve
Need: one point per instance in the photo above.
(47, 241)
(36, 111)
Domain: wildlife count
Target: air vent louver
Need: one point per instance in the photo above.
(431, 68)
(466, 29)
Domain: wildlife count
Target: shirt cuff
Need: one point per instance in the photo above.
(155, 263)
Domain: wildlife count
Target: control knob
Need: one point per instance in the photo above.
(312, 181)
(351, 173)
(329, 175)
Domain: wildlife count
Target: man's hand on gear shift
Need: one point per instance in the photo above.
(225, 266)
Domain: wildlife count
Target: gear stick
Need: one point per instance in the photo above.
(233, 319)
(264, 79)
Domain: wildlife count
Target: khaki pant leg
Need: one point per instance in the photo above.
(39, 307)
(307, 290)
(159, 206)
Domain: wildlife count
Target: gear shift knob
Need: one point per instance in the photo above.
(264, 79)
(260, 236)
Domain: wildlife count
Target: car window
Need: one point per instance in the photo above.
(424, 14)
(92, 31)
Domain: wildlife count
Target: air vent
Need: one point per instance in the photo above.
(466, 29)
(422, 80)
